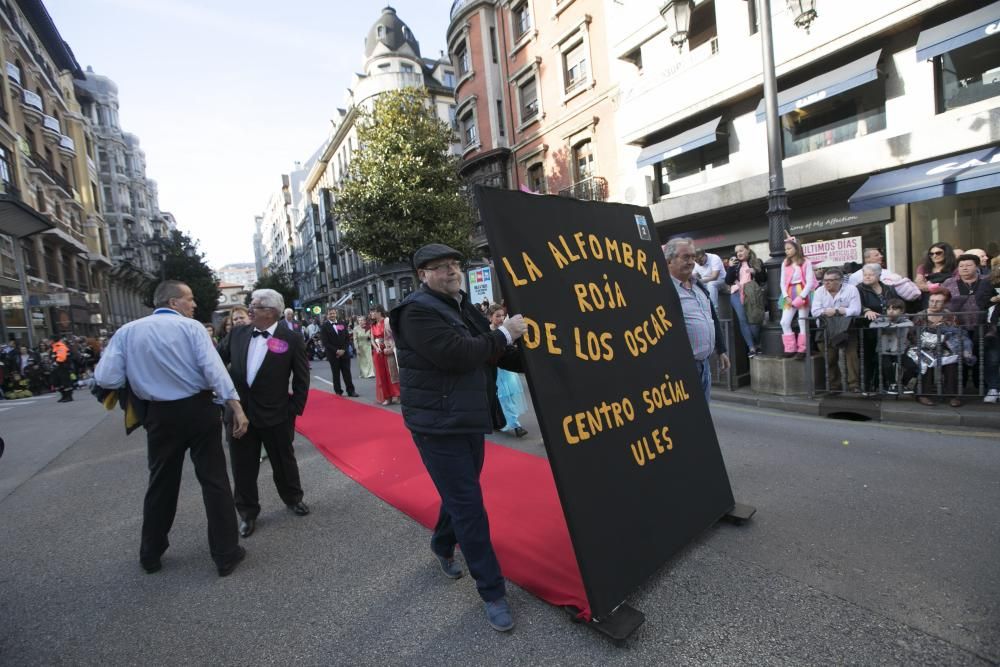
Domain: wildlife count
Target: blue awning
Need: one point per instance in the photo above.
(824, 86)
(959, 32)
(682, 143)
(956, 175)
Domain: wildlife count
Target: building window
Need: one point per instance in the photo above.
(501, 126)
(527, 94)
(493, 44)
(6, 173)
(968, 74)
(583, 160)
(847, 116)
(453, 116)
(575, 66)
(449, 78)
(470, 134)
(520, 17)
(704, 158)
(703, 27)
(536, 178)
(406, 68)
(381, 32)
(462, 60)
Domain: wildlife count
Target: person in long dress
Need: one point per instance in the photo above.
(509, 390)
(386, 391)
(363, 347)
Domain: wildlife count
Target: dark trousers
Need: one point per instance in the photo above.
(454, 463)
(245, 456)
(172, 428)
(341, 366)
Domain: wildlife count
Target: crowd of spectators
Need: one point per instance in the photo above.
(28, 371)
(934, 336)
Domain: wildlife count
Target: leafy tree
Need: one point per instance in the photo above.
(183, 261)
(402, 188)
(281, 282)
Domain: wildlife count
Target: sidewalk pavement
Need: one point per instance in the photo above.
(903, 410)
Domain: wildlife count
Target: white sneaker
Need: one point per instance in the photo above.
(992, 396)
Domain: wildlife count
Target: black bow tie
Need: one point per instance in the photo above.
(258, 332)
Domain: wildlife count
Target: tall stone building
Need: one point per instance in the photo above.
(135, 223)
(534, 96)
(889, 121)
(392, 61)
(49, 182)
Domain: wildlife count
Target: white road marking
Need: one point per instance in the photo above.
(323, 379)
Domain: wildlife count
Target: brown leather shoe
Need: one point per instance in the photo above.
(923, 400)
(955, 403)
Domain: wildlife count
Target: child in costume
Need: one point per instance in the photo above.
(798, 282)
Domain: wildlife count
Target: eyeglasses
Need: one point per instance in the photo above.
(831, 280)
(932, 253)
(449, 266)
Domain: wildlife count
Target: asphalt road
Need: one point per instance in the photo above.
(872, 544)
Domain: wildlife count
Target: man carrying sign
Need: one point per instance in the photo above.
(443, 346)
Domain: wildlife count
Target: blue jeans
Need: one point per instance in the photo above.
(704, 370)
(751, 332)
(454, 463)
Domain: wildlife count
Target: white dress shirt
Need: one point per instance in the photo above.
(257, 352)
(847, 298)
(165, 357)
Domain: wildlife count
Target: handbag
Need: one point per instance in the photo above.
(753, 302)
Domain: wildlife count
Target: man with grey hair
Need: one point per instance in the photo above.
(700, 318)
(169, 361)
(261, 359)
(289, 317)
(838, 304)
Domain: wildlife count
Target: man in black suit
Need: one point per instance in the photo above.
(335, 336)
(261, 359)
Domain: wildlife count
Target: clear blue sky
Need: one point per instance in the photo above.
(225, 95)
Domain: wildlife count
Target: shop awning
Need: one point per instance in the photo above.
(682, 143)
(959, 32)
(19, 220)
(824, 86)
(956, 175)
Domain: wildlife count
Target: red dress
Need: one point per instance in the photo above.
(385, 388)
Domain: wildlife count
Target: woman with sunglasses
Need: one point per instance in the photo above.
(937, 267)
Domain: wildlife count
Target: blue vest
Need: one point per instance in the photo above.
(436, 401)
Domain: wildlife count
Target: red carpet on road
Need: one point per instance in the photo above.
(374, 448)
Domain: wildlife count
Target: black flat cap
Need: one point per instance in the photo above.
(432, 251)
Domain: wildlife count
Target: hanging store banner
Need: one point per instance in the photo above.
(834, 253)
(625, 423)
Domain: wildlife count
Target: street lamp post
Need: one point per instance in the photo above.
(677, 14)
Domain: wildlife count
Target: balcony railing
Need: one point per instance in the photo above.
(14, 74)
(33, 101)
(594, 188)
(51, 124)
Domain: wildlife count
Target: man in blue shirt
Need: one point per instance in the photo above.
(700, 319)
(169, 360)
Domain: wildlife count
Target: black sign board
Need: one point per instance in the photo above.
(629, 436)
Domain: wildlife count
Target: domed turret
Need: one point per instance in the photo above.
(392, 32)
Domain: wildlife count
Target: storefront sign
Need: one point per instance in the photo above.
(12, 302)
(619, 403)
(813, 220)
(724, 237)
(834, 253)
(50, 300)
(481, 285)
